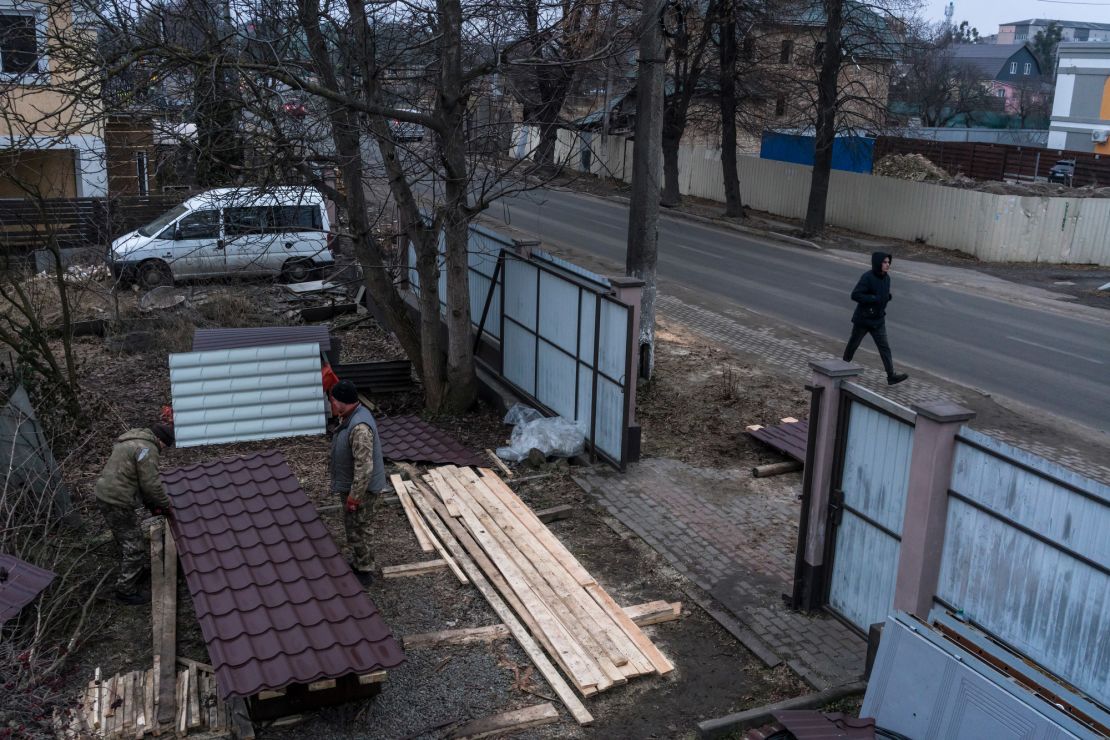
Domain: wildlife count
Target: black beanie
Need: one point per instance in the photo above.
(164, 432)
(345, 392)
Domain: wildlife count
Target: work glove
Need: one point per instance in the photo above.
(352, 504)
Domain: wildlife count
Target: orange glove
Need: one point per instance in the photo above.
(352, 504)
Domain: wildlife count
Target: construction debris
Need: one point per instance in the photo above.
(914, 167)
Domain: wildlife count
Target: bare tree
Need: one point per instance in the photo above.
(931, 80)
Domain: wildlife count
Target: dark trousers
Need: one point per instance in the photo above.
(878, 333)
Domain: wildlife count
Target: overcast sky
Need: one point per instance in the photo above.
(987, 14)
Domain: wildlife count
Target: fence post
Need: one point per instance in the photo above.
(629, 290)
(934, 444)
(828, 375)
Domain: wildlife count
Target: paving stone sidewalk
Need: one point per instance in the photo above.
(734, 536)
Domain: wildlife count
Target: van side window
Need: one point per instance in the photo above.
(296, 218)
(199, 225)
(239, 221)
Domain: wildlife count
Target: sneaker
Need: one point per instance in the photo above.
(365, 577)
(133, 599)
(896, 378)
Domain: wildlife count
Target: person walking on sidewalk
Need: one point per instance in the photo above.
(357, 473)
(130, 478)
(871, 295)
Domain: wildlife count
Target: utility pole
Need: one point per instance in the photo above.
(647, 171)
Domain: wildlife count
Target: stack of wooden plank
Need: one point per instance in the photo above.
(126, 705)
(498, 540)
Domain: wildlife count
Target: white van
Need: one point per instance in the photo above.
(229, 232)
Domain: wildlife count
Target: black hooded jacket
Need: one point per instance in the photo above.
(872, 293)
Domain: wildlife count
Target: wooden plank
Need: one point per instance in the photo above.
(465, 636)
(417, 524)
(148, 699)
(413, 569)
(190, 663)
(270, 694)
(527, 517)
(221, 706)
(327, 683)
(181, 694)
(241, 725)
(646, 646)
(481, 560)
(499, 463)
(193, 698)
(208, 702)
(157, 669)
(157, 559)
(141, 723)
(445, 493)
(539, 659)
(654, 612)
(533, 592)
(514, 721)
(375, 677)
(558, 588)
(98, 701)
(555, 513)
(168, 648)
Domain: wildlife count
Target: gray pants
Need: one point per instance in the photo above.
(878, 333)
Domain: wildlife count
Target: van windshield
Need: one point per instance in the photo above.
(162, 221)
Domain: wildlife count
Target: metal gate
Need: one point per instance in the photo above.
(867, 504)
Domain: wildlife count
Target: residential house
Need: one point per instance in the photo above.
(1081, 106)
(1011, 72)
(1017, 32)
(51, 142)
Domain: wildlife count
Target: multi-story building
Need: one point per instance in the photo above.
(1018, 32)
(51, 132)
(1081, 106)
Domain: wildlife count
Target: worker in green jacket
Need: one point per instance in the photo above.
(130, 479)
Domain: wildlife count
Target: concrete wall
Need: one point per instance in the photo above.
(998, 228)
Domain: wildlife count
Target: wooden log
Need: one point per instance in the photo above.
(514, 721)
(413, 569)
(545, 667)
(536, 595)
(481, 560)
(766, 471)
(654, 612)
(588, 623)
(168, 647)
(555, 513)
(465, 636)
(417, 524)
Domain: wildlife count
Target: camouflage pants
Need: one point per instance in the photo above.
(131, 547)
(357, 526)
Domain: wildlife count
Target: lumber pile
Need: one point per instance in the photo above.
(517, 563)
(126, 705)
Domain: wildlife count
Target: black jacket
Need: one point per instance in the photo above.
(872, 293)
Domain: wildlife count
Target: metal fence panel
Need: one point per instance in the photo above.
(877, 466)
(609, 422)
(865, 569)
(587, 319)
(520, 288)
(556, 380)
(518, 357)
(613, 355)
(558, 314)
(1027, 558)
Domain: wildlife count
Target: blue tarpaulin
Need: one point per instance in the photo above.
(850, 153)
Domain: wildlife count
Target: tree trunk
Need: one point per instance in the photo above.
(734, 206)
(643, 213)
(431, 370)
(672, 195)
(826, 119)
(545, 150)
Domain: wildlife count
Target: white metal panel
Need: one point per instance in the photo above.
(586, 325)
(877, 465)
(865, 568)
(558, 314)
(584, 412)
(519, 358)
(246, 393)
(613, 340)
(520, 292)
(555, 380)
(609, 425)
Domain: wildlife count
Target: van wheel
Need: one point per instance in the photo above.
(298, 271)
(153, 274)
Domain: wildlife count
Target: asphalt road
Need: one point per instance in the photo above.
(1038, 357)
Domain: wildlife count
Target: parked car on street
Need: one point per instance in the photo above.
(406, 131)
(1063, 171)
(229, 232)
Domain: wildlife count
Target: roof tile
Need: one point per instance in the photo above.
(20, 583)
(276, 602)
(412, 438)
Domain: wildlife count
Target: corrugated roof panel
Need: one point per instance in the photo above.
(236, 395)
(276, 602)
(260, 336)
(20, 583)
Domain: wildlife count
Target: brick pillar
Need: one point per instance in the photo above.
(934, 444)
(828, 375)
(629, 290)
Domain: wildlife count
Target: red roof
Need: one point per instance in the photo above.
(412, 438)
(276, 601)
(20, 583)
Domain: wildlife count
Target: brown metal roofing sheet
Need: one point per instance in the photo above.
(261, 336)
(808, 724)
(790, 438)
(389, 376)
(276, 601)
(20, 583)
(412, 438)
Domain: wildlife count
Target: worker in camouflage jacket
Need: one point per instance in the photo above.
(357, 473)
(130, 479)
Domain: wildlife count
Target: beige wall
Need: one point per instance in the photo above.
(45, 174)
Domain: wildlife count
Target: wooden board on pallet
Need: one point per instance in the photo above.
(419, 528)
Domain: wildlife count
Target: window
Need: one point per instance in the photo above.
(787, 51)
(141, 173)
(271, 219)
(296, 218)
(1028, 68)
(1021, 36)
(239, 221)
(780, 106)
(199, 225)
(1013, 68)
(1082, 34)
(19, 44)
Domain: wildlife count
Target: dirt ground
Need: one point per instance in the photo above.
(437, 688)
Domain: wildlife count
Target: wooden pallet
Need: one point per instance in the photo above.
(595, 642)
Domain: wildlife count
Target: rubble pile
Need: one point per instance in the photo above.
(913, 167)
